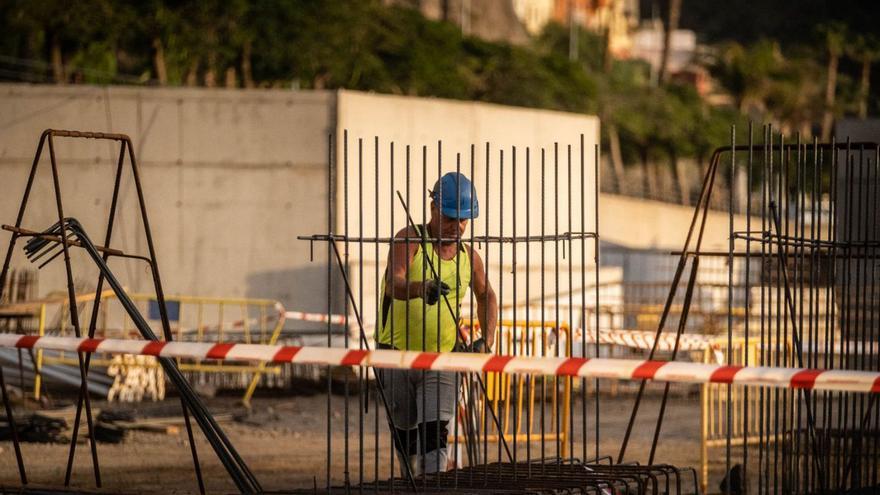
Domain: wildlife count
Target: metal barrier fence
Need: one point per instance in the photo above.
(192, 319)
(743, 408)
(516, 409)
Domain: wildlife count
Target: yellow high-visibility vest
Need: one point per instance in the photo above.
(414, 325)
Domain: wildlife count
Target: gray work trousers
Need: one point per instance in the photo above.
(417, 397)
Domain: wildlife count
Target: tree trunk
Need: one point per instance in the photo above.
(57, 61)
(606, 50)
(572, 33)
(864, 87)
(616, 158)
(246, 71)
(159, 62)
(680, 179)
(192, 75)
(669, 27)
(647, 186)
(830, 90)
(211, 70)
(231, 78)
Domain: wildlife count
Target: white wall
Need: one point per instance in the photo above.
(445, 131)
(231, 178)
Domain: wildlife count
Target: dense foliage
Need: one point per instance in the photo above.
(366, 45)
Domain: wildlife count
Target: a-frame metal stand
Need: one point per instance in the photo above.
(237, 469)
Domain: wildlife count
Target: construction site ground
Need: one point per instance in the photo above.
(283, 440)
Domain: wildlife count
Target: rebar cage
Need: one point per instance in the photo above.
(537, 236)
(802, 262)
(509, 236)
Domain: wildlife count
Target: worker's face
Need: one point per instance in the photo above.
(448, 227)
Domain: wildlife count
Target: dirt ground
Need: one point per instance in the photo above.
(284, 441)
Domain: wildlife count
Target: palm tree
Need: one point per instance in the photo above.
(835, 38)
(746, 73)
(669, 26)
(866, 50)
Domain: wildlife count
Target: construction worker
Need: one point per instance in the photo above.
(421, 301)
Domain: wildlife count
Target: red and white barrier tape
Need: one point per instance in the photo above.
(621, 369)
(318, 317)
(641, 339)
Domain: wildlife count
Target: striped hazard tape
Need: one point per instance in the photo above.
(318, 317)
(621, 369)
(637, 339)
(641, 339)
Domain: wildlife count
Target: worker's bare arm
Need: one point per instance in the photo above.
(399, 260)
(487, 303)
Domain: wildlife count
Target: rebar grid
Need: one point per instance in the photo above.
(802, 261)
(540, 207)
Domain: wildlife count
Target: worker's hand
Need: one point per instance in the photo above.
(432, 290)
(479, 346)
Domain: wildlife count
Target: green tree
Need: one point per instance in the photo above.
(865, 50)
(746, 71)
(835, 37)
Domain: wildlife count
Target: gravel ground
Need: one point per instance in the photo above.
(284, 442)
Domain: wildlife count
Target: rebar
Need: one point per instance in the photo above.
(487, 407)
(68, 233)
(806, 277)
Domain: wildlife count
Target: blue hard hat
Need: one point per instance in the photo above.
(456, 197)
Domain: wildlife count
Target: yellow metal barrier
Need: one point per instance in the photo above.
(744, 405)
(533, 338)
(192, 319)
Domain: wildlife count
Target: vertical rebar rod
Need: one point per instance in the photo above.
(556, 312)
(471, 403)
(330, 192)
(346, 273)
(363, 390)
(486, 262)
(391, 324)
(569, 389)
(459, 249)
(730, 247)
(747, 301)
(583, 312)
(596, 246)
(543, 309)
(530, 338)
(499, 382)
(378, 313)
(515, 271)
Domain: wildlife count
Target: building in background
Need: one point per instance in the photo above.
(493, 20)
(648, 46)
(534, 14)
(616, 18)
